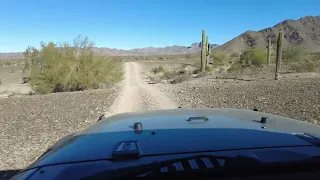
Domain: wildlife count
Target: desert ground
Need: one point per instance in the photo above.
(31, 123)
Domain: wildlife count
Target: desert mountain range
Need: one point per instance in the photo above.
(304, 32)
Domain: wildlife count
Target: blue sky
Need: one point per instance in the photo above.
(130, 24)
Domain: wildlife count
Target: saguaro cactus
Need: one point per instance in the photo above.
(208, 52)
(279, 54)
(203, 51)
(269, 47)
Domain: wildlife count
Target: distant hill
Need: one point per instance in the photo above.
(304, 32)
(11, 55)
(147, 51)
(169, 50)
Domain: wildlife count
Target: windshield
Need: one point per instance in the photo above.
(182, 65)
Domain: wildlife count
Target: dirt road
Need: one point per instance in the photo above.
(137, 94)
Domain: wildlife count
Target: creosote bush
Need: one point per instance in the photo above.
(235, 66)
(253, 57)
(157, 70)
(234, 54)
(305, 66)
(219, 58)
(170, 74)
(68, 67)
(292, 54)
(209, 69)
(196, 71)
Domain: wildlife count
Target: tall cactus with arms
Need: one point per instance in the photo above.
(279, 54)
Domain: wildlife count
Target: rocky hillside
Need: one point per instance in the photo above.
(304, 32)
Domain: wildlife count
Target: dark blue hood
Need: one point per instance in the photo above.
(171, 133)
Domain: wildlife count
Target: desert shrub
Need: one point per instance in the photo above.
(157, 70)
(137, 58)
(296, 67)
(25, 79)
(315, 58)
(202, 74)
(196, 71)
(161, 58)
(8, 63)
(235, 66)
(179, 79)
(292, 53)
(234, 54)
(219, 58)
(309, 67)
(253, 57)
(183, 71)
(170, 74)
(302, 67)
(315, 53)
(209, 69)
(31, 93)
(69, 68)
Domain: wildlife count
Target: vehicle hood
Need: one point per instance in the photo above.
(168, 132)
(218, 118)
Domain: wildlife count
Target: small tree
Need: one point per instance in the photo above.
(69, 67)
(253, 57)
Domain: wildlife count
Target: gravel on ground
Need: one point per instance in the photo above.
(295, 96)
(31, 124)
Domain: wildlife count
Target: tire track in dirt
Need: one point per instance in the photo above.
(136, 95)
